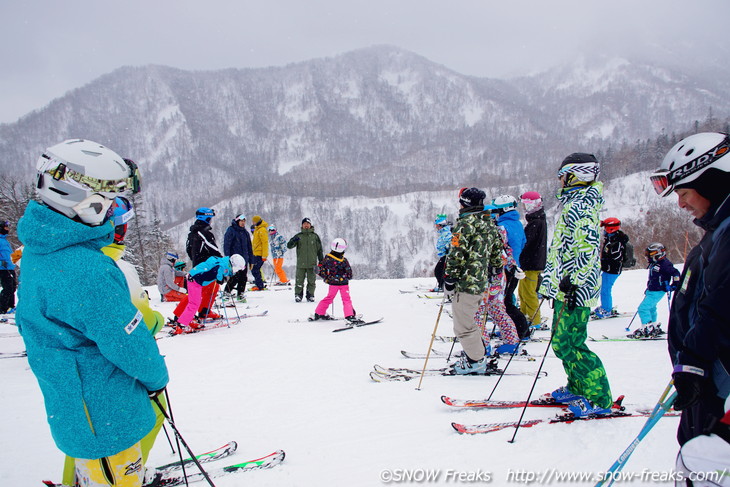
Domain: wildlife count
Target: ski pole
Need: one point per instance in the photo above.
(661, 407)
(512, 355)
(169, 441)
(430, 345)
(539, 369)
(628, 328)
(179, 437)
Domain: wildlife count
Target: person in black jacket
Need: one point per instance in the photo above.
(698, 169)
(533, 257)
(201, 245)
(616, 252)
(238, 241)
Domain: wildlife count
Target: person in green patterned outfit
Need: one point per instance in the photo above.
(475, 257)
(571, 279)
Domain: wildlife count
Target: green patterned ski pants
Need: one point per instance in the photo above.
(586, 375)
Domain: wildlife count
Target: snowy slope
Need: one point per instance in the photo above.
(268, 384)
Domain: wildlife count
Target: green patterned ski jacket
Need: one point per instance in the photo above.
(475, 245)
(574, 250)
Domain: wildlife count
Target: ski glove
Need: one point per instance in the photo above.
(571, 293)
(519, 273)
(154, 394)
(449, 287)
(688, 381)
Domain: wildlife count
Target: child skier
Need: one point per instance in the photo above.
(277, 243)
(170, 288)
(443, 244)
(335, 270)
(616, 253)
(215, 269)
(663, 278)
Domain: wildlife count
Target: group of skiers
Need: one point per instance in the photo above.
(578, 269)
(88, 327)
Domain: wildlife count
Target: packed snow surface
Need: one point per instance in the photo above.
(269, 384)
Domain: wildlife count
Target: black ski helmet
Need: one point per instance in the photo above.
(579, 168)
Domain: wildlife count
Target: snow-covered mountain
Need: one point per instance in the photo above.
(374, 123)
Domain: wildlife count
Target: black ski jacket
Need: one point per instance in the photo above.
(201, 243)
(534, 254)
(613, 251)
(699, 327)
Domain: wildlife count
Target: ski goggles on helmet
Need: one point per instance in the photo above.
(664, 181)
(111, 187)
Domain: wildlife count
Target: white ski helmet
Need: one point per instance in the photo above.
(272, 228)
(80, 178)
(685, 163)
(505, 203)
(237, 263)
(338, 245)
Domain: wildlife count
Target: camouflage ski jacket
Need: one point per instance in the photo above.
(574, 250)
(475, 246)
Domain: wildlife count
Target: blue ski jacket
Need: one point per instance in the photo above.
(5, 250)
(87, 344)
(210, 270)
(663, 276)
(237, 241)
(515, 233)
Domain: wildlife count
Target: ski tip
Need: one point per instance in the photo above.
(459, 428)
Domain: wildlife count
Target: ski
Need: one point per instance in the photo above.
(268, 461)
(213, 324)
(476, 429)
(595, 317)
(450, 339)
(172, 476)
(487, 404)
(13, 354)
(357, 325)
(391, 374)
(438, 354)
(310, 319)
(221, 452)
(605, 338)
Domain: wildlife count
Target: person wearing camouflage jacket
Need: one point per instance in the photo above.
(476, 248)
(572, 278)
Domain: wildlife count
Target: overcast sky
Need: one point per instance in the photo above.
(48, 47)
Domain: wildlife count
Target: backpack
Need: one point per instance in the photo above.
(629, 259)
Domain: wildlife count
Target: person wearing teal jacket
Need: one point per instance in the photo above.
(88, 346)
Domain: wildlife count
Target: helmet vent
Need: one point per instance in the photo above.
(91, 153)
(689, 152)
(56, 190)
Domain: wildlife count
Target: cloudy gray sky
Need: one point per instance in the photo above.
(48, 47)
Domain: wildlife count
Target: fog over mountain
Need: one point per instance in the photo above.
(373, 126)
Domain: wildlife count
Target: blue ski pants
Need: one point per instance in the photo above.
(647, 308)
(607, 282)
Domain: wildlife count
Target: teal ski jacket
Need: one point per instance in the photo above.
(87, 344)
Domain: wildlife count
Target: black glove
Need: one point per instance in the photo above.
(449, 286)
(688, 381)
(154, 394)
(571, 293)
(494, 272)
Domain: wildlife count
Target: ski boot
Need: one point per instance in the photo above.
(562, 395)
(321, 317)
(465, 366)
(582, 408)
(353, 320)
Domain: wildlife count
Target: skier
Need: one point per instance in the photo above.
(123, 213)
(571, 281)
(260, 250)
(493, 302)
(8, 279)
(167, 285)
(533, 256)
(213, 270)
(698, 169)
(663, 279)
(309, 255)
(97, 364)
(335, 270)
(475, 256)
(616, 252)
(277, 243)
(509, 218)
(238, 241)
(443, 245)
(200, 246)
